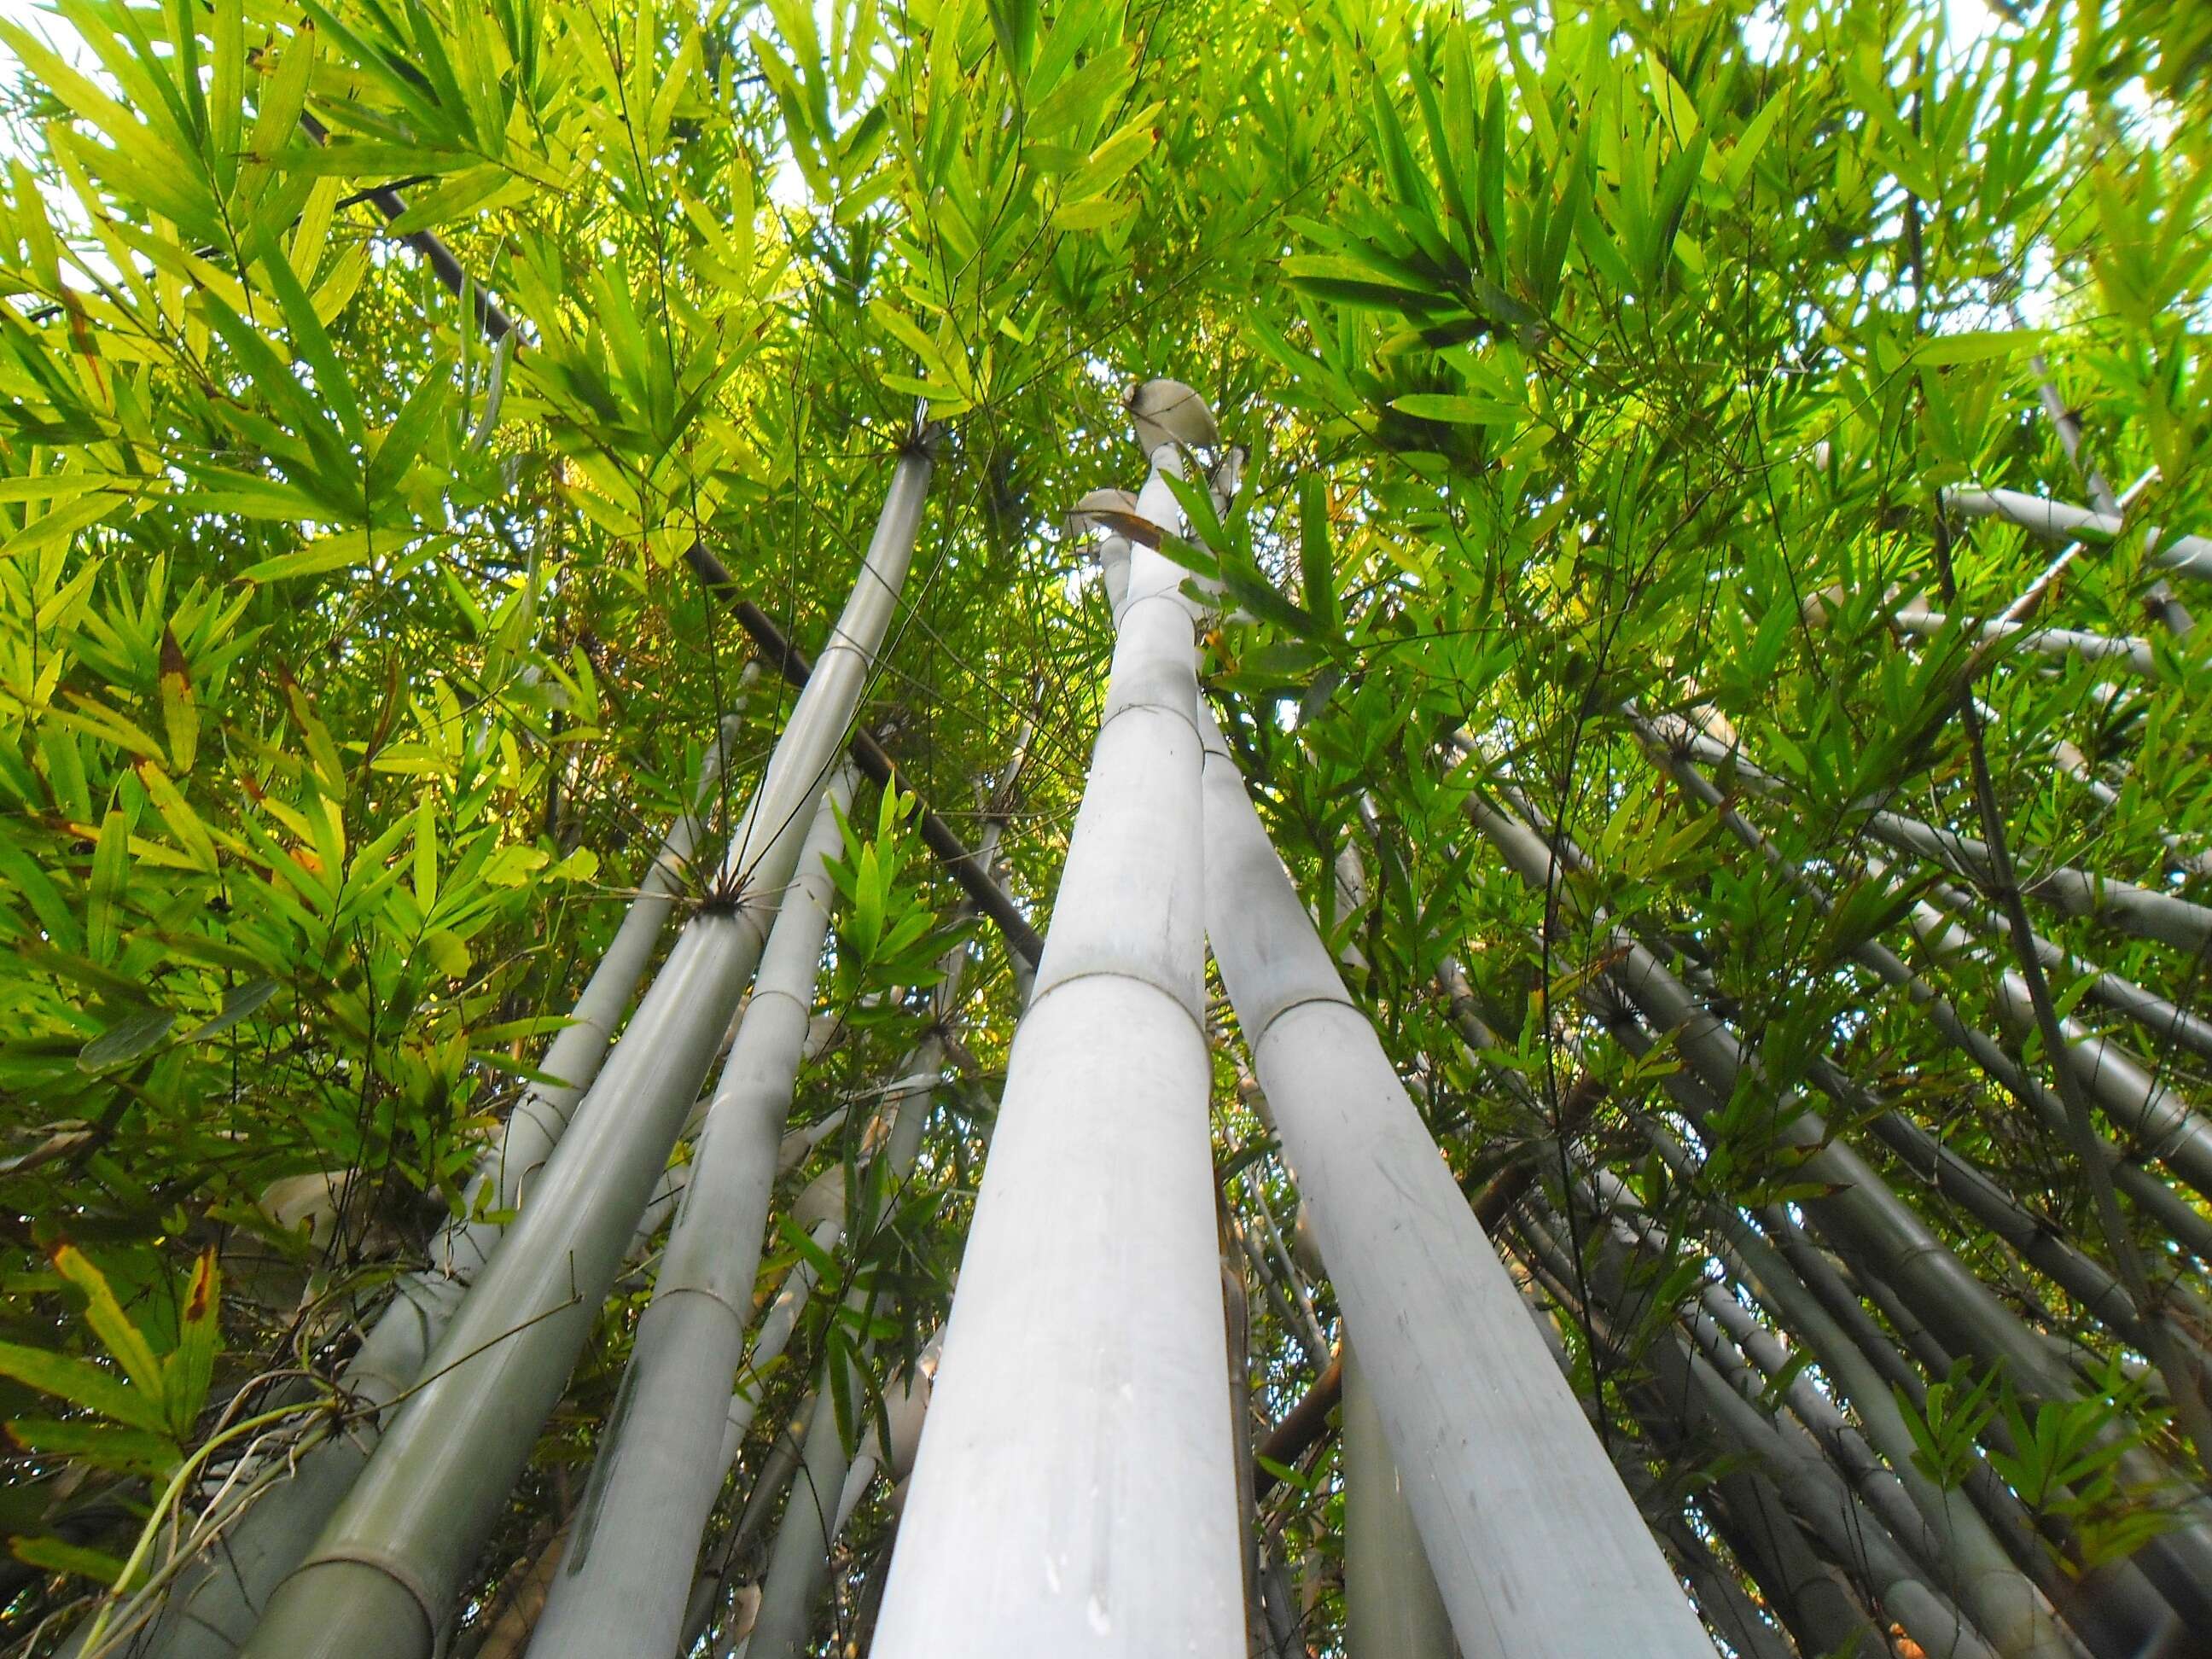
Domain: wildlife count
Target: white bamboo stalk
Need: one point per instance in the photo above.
(1501, 1468)
(897, 1126)
(2187, 556)
(2163, 1122)
(2126, 652)
(1971, 1563)
(215, 1605)
(1860, 1211)
(798, 1563)
(2180, 855)
(799, 1559)
(2139, 911)
(1074, 1493)
(2142, 1186)
(383, 1579)
(2156, 1014)
(906, 1405)
(627, 1572)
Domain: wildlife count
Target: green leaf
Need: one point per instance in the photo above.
(125, 1040)
(79, 1381)
(1460, 410)
(1316, 559)
(181, 712)
(58, 1555)
(128, 1451)
(110, 1323)
(189, 1369)
(1015, 23)
(111, 878)
(237, 1004)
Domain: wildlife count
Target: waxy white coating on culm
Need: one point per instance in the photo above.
(1501, 1468)
(625, 1575)
(383, 1579)
(1860, 1212)
(2161, 1120)
(2143, 911)
(215, 1607)
(1074, 1493)
(2188, 556)
(2125, 650)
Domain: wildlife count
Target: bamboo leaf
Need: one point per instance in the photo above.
(122, 1338)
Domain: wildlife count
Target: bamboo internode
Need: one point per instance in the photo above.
(1075, 1491)
(384, 1577)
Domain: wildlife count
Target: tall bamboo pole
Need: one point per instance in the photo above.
(1969, 1563)
(216, 1604)
(626, 1571)
(799, 1559)
(2186, 556)
(2139, 911)
(1861, 1211)
(2159, 599)
(1815, 1493)
(1393, 1610)
(2173, 1213)
(1817, 1602)
(1073, 1492)
(383, 1580)
(1501, 1468)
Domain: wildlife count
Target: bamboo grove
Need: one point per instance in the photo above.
(792, 792)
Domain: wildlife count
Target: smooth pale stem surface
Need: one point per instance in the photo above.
(215, 1606)
(825, 1490)
(2142, 1186)
(741, 1404)
(1947, 1535)
(1502, 1473)
(2126, 651)
(1391, 1608)
(383, 1579)
(626, 1576)
(798, 1560)
(2187, 556)
(1861, 1214)
(2140, 910)
(2160, 1120)
(1074, 1493)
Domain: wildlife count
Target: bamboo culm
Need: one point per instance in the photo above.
(1391, 1608)
(2186, 555)
(2173, 1213)
(1968, 1561)
(1861, 1211)
(1501, 1468)
(383, 1580)
(214, 1606)
(627, 1574)
(2142, 911)
(1073, 1494)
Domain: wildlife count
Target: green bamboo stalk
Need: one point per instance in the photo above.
(214, 1606)
(383, 1580)
(626, 1571)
